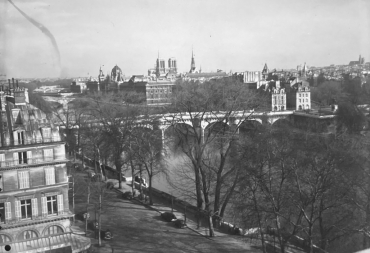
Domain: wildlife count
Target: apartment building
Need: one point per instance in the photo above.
(34, 206)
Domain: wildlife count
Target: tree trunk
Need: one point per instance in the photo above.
(119, 169)
(140, 185)
(216, 206)
(150, 190)
(278, 226)
(228, 197)
(82, 157)
(366, 243)
(102, 171)
(99, 218)
(210, 223)
(198, 189)
(259, 222)
(133, 178)
(87, 207)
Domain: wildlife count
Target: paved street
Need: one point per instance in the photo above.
(139, 228)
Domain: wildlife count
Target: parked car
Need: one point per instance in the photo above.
(127, 195)
(168, 216)
(180, 223)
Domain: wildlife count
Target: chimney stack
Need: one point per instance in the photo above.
(13, 83)
(17, 84)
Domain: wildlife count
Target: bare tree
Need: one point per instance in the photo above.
(116, 121)
(146, 150)
(204, 121)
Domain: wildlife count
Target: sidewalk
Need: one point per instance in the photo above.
(162, 206)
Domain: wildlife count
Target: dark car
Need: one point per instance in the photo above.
(168, 216)
(180, 223)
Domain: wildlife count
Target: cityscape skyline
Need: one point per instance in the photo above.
(236, 35)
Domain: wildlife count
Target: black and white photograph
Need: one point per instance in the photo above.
(185, 126)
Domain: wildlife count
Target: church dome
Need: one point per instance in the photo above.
(116, 73)
(116, 70)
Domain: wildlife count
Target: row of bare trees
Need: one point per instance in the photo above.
(304, 188)
(292, 185)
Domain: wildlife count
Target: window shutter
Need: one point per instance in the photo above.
(17, 204)
(8, 211)
(20, 180)
(44, 209)
(1, 182)
(2, 160)
(52, 175)
(16, 158)
(48, 154)
(34, 208)
(46, 176)
(49, 176)
(29, 157)
(15, 135)
(60, 204)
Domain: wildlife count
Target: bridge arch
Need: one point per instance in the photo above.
(280, 122)
(250, 125)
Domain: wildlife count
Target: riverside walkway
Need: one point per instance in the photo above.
(138, 227)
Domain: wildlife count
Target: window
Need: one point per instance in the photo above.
(46, 134)
(19, 137)
(52, 206)
(26, 235)
(299, 95)
(48, 154)
(4, 239)
(2, 212)
(24, 179)
(20, 158)
(26, 210)
(306, 100)
(53, 230)
(8, 211)
(49, 175)
(299, 100)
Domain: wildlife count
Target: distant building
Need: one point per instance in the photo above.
(361, 60)
(116, 75)
(278, 99)
(156, 91)
(160, 70)
(78, 85)
(197, 75)
(299, 95)
(34, 203)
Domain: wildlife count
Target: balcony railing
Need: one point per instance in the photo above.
(28, 141)
(29, 161)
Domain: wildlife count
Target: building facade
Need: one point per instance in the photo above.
(278, 99)
(34, 204)
(155, 91)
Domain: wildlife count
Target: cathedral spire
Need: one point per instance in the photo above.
(192, 66)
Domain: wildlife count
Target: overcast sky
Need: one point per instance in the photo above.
(235, 35)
